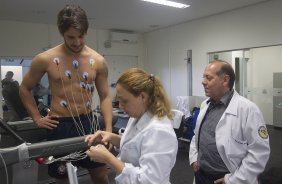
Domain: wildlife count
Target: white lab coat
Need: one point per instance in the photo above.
(242, 148)
(150, 153)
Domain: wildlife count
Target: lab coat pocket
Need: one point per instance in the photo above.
(237, 147)
(237, 142)
(237, 150)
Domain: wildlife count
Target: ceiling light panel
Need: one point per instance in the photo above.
(168, 3)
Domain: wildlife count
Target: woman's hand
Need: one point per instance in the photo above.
(219, 181)
(99, 136)
(99, 153)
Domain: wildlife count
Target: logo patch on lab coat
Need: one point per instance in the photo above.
(262, 131)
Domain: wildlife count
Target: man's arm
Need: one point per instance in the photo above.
(193, 154)
(33, 76)
(257, 152)
(101, 82)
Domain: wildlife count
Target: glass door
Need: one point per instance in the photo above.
(258, 75)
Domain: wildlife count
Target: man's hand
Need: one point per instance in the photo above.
(195, 166)
(48, 122)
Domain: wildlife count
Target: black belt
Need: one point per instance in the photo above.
(81, 116)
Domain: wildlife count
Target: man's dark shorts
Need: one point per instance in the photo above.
(67, 128)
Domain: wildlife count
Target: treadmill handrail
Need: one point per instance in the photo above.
(26, 151)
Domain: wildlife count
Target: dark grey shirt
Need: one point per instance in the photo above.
(208, 156)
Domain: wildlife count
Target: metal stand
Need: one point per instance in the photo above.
(72, 173)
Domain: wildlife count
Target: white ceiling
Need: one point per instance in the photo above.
(131, 15)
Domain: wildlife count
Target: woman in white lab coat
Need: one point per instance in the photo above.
(148, 146)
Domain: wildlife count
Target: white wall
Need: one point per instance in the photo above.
(253, 26)
(28, 39)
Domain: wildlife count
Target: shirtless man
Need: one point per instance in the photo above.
(73, 68)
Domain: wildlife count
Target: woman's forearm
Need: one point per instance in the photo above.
(115, 140)
(116, 164)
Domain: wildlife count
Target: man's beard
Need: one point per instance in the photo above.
(74, 51)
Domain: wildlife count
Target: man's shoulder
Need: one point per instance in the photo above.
(4, 80)
(48, 54)
(246, 103)
(42, 56)
(94, 54)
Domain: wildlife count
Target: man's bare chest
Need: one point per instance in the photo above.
(68, 70)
